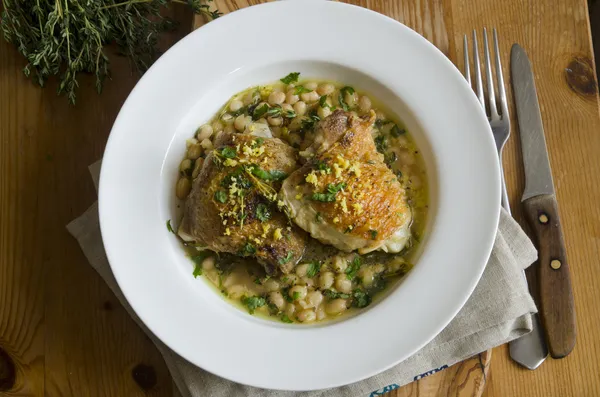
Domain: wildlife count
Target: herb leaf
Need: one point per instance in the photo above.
(381, 143)
(198, 259)
(342, 96)
(248, 250)
(373, 234)
(290, 78)
(260, 111)
(286, 259)
(301, 90)
(323, 197)
(396, 131)
(273, 175)
(323, 102)
(333, 188)
(322, 166)
(262, 212)
(313, 269)
(169, 228)
(286, 319)
(329, 294)
(220, 196)
(360, 298)
(228, 152)
(296, 295)
(253, 302)
(353, 268)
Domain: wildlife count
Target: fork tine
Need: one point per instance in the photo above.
(477, 71)
(490, 81)
(466, 52)
(501, 91)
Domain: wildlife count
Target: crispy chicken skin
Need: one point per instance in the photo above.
(232, 206)
(345, 195)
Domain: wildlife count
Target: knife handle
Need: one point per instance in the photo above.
(556, 296)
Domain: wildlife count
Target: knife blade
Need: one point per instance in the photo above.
(557, 308)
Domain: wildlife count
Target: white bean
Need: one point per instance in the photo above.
(276, 98)
(229, 129)
(342, 284)
(185, 165)
(194, 151)
(306, 316)
(302, 269)
(277, 299)
(290, 309)
(197, 167)
(326, 280)
(321, 313)
(217, 126)
(325, 88)
(275, 121)
(271, 285)
(291, 98)
(336, 306)
(323, 112)
(339, 264)
(236, 291)
(367, 276)
(298, 292)
(314, 298)
(300, 108)
(309, 97)
(241, 122)
(350, 99)
(311, 86)
(364, 103)
(208, 263)
(287, 107)
(204, 132)
(183, 187)
(235, 105)
(206, 144)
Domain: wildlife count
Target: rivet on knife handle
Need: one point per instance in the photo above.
(556, 296)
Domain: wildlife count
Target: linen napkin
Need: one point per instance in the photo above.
(498, 311)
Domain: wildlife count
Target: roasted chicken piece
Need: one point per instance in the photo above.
(233, 203)
(345, 195)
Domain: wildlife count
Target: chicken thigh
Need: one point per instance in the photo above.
(345, 195)
(232, 206)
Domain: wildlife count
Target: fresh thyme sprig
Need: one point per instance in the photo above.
(67, 37)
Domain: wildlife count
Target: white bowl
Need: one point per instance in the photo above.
(189, 83)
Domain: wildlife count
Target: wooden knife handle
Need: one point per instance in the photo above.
(556, 296)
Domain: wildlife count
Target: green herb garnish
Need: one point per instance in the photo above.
(248, 250)
(301, 90)
(329, 294)
(381, 143)
(169, 228)
(373, 234)
(273, 175)
(290, 114)
(360, 298)
(262, 212)
(258, 141)
(286, 259)
(323, 197)
(313, 269)
(341, 97)
(396, 131)
(253, 302)
(285, 291)
(228, 152)
(220, 196)
(198, 259)
(334, 188)
(290, 78)
(322, 166)
(286, 319)
(260, 111)
(323, 102)
(390, 158)
(296, 295)
(353, 268)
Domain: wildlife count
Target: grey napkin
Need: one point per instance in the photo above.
(498, 311)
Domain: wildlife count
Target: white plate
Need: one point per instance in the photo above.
(187, 85)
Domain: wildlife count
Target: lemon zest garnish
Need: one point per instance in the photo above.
(343, 204)
(312, 178)
(230, 163)
(277, 234)
(227, 232)
(265, 228)
(336, 220)
(298, 196)
(358, 208)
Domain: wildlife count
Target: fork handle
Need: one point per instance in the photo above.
(504, 197)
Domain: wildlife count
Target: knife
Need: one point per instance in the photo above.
(557, 308)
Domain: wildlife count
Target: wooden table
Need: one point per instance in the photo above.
(62, 332)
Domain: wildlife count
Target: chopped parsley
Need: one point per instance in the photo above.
(240, 179)
(273, 175)
(322, 166)
(275, 111)
(290, 78)
(313, 269)
(360, 298)
(329, 294)
(373, 234)
(286, 259)
(323, 197)
(253, 302)
(341, 97)
(396, 131)
(228, 152)
(286, 294)
(197, 270)
(381, 143)
(290, 114)
(198, 259)
(169, 227)
(286, 319)
(248, 250)
(390, 158)
(240, 111)
(296, 295)
(258, 141)
(260, 111)
(262, 212)
(220, 196)
(333, 188)
(353, 268)
(301, 90)
(323, 102)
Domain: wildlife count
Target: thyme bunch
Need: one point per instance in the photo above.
(67, 37)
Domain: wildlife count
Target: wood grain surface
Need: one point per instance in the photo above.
(62, 333)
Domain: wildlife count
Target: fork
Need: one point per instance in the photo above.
(500, 122)
(529, 350)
